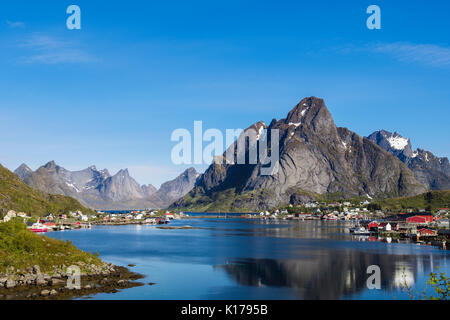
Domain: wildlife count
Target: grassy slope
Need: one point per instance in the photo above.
(223, 201)
(16, 195)
(430, 200)
(21, 248)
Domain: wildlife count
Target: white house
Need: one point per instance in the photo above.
(11, 214)
(311, 205)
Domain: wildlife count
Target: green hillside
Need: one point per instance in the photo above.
(430, 201)
(23, 249)
(16, 195)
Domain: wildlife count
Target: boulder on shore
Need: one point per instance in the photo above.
(10, 284)
(45, 293)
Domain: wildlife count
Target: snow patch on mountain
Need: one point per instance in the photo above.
(345, 145)
(397, 142)
(304, 111)
(72, 186)
(295, 124)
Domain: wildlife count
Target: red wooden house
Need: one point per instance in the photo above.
(419, 219)
(426, 232)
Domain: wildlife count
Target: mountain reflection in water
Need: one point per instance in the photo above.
(326, 276)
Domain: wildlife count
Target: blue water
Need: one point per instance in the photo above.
(255, 259)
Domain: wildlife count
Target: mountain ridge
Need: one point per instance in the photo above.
(315, 156)
(101, 190)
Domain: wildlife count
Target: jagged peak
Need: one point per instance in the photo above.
(105, 172)
(23, 171)
(190, 170)
(50, 165)
(24, 166)
(312, 113)
(304, 107)
(123, 172)
(395, 141)
(257, 126)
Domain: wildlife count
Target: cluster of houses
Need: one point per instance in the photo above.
(415, 224)
(12, 214)
(50, 222)
(419, 225)
(327, 211)
(137, 216)
(73, 215)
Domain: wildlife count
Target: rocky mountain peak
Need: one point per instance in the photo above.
(50, 165)
(178, 187)
(189, 172)
(393, 143)
(123, 173)
(312, 114)
(308, 106)
(431, 171)
(23, 171)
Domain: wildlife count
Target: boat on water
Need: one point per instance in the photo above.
(361, 231)
(357, 226)
(38, 228)
(162, 221)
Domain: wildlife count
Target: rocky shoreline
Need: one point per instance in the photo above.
(32, 284)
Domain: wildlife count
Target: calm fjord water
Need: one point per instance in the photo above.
(254, 259)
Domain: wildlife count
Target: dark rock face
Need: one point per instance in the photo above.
(431, 171)
(318, 157)
(297, 199)
(100, 190)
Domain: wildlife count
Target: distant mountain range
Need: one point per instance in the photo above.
(431, 171)
(101, 190)
(16, 195)
(316, 158)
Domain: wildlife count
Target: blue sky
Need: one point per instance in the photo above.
(111, 93)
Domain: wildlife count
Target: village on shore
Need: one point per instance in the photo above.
(362, 219)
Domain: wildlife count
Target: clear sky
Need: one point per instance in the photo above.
(111, 93)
